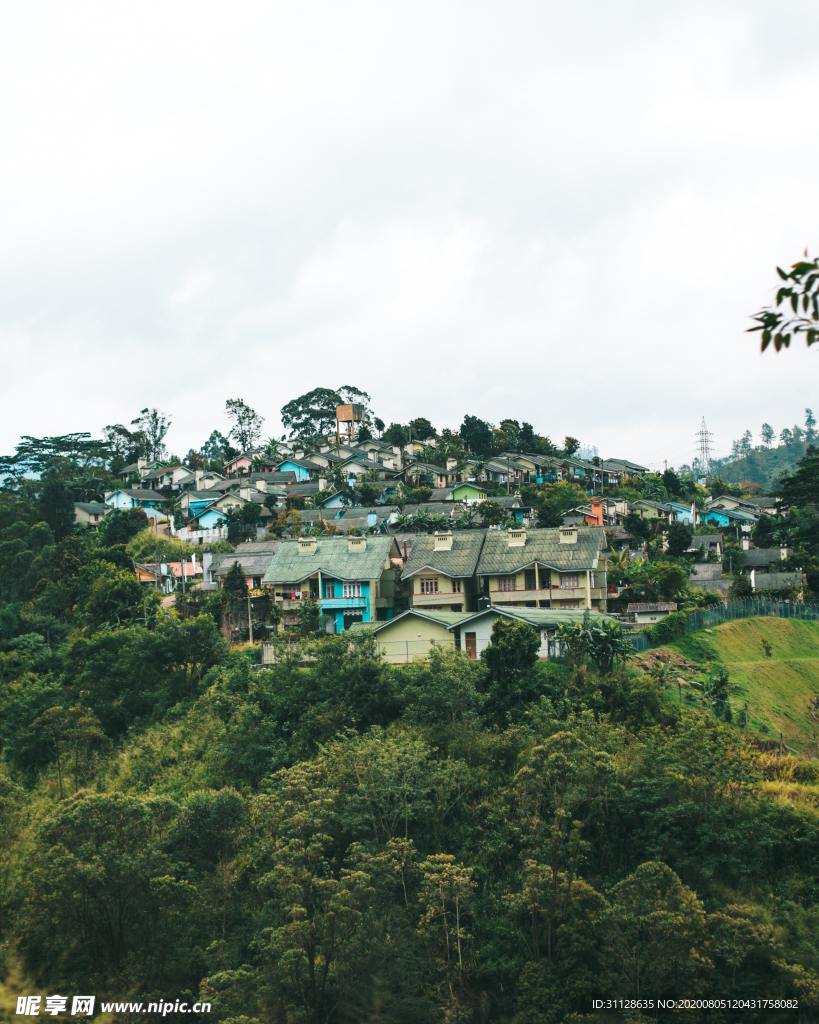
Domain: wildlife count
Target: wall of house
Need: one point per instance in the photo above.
(302, 474)
(211, 519)
(482, 628)
(119, 500)
(412, 638)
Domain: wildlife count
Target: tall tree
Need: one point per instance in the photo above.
(421, 429)
(153, 427)
(570, 445)
(57, 506)
(810, 426)
(246, 424)
(476, 435)
(767, 434)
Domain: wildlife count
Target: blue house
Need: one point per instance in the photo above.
(208, 519)
(353, 579)
(304, 470)
(682, 513)
(728, 519)
(136, 497)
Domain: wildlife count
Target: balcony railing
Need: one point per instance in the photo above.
(344, 602)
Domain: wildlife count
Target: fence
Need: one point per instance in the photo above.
(744, 608)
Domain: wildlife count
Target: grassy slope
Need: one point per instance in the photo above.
(778, 689)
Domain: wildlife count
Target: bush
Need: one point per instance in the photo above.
(672, 627)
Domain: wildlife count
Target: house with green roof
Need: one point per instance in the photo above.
(415, 633)
(353, 579)
(547, 568)
(441, 570)
(473, 633)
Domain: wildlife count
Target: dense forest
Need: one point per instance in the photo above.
(765, 463)
(334, 839)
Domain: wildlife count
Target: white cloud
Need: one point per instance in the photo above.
(537, 210)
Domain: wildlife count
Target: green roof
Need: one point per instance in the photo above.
(443, 618)
(333, 557)
(460, 561)
(541, 618)
(544, 547)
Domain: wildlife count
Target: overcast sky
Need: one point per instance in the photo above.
(557, 212)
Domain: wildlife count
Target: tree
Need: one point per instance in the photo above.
(121, 525)
(153, 427)
(242, 523)
(115, 597)
(74, 734)
(246, 424)
(810, 427)
(476, 435)
(603, 643)
(313, 414)
(396, 435)
(234, 601)
(125, 445)
(672, 483)
(767, 434)
(554, 501)
(421, 429)
(655, 935)
(57, 506)
(103, 901)
(796, 308)
(309, 615)
(510, 659)
(679, 539)
(446, 890)
(217, 448)
(801, 487)
(570, 445)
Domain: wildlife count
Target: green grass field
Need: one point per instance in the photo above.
(778, 689)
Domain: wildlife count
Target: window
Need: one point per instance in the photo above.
(569, 581)
(429, 584)
(531, 582)
(456, 586)
(351, 590)
(507, 582)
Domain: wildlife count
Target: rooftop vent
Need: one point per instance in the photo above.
(568, 534)
(307, 545)
(442, 540)
(516, 538)
(355, 544)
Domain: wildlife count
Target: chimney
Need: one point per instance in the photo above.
(784, 553)
(746, 543)
(197, 478)
(322, 482)
(568, 534)
(356, 544)
(442, 540)
(307, 545)
(597, 511)
(516, 537)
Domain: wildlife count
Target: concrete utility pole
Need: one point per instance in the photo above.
(249, 620)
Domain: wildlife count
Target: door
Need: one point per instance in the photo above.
(471, 646)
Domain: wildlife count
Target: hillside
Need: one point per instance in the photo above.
(778, 689)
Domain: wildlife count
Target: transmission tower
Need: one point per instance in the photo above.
(704, 438)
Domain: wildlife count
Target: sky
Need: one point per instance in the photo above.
(560, 213)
